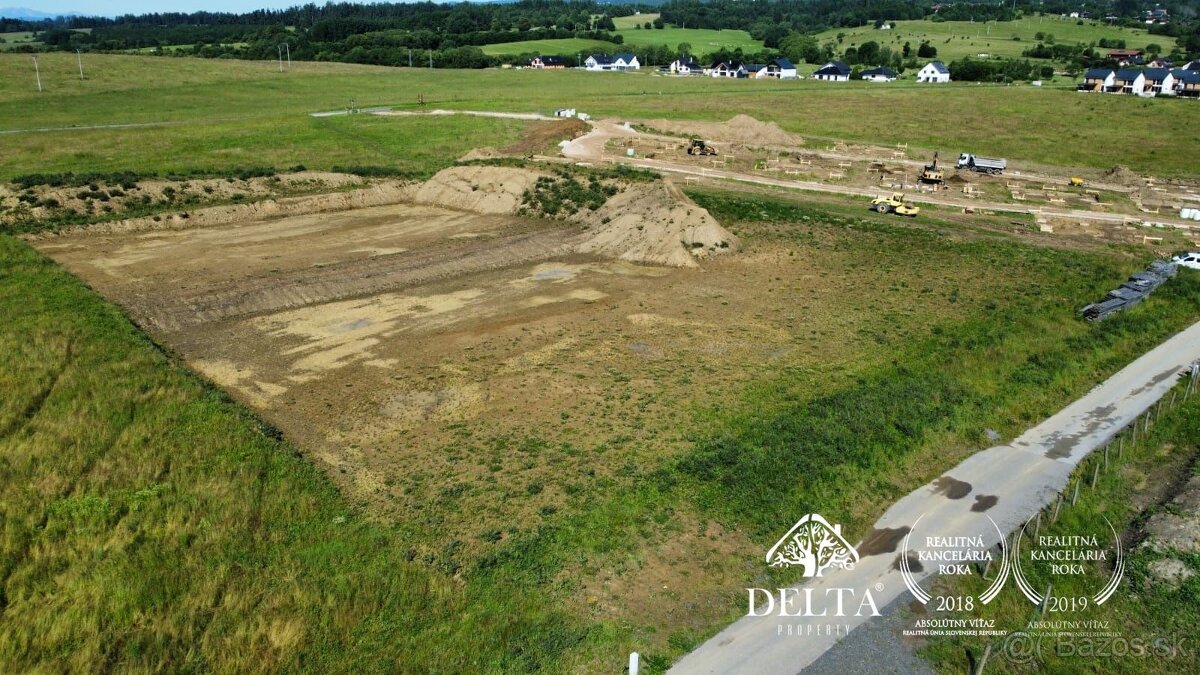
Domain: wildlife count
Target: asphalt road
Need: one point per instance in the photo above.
(1023, 477)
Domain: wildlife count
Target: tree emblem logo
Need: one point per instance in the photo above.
(815, 545)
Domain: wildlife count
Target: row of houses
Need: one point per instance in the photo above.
(780, 68)
(837, 71)
(1144, 81)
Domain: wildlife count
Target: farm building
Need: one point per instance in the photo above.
(834, 71)
(623, 61)
(880, 74)
(934, 71)
(548, 63)
(686, 66)
(1097, 79)
(1127, 57)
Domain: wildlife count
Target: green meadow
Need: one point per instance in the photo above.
(222, 114)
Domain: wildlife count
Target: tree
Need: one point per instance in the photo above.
(926, 51)
(868, 52)
(684, 48)
(659, 23)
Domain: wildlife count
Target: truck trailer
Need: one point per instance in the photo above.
(990, 165)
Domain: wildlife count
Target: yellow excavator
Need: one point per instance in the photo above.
(895, 204)
(931, 174)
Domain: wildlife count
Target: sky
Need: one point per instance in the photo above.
(114, 7)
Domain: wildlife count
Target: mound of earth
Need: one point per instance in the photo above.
(742, 129)
(1122, 175)
(655, 223)
(482, 189)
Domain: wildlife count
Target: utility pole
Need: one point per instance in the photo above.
(37, 73)
(279, 49)
(410, 57)
(431, 58)
(79, 57)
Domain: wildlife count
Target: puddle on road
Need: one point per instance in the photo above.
(984, 502)
(914, 562)
(951, 488)
(882, 540)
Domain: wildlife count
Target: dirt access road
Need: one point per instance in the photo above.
(1010, 483)
(591, 148)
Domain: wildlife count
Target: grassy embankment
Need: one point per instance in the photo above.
(231, 114)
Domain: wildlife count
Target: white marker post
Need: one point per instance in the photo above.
(37, 73)
(633, 663)
(79, 58)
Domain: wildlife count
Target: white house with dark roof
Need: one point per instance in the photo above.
(1187, 82)
(780, 68)
(1128, 81)
(622, 61)
(934, 71)
(1097, 79)
(834, 71)
(879, 74)
(1158, 81)
(728, 69)
(686, 65)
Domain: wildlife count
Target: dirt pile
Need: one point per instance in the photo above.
(742, 129)
(655, 223)
(1122, 175)
(482, 189)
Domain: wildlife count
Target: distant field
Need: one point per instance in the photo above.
(703, 41)
(564, 47)
(15, 39)
(956, 39)
(224, 113)
(623, 22)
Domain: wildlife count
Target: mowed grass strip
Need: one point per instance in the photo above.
(204, 102)
(149, 523)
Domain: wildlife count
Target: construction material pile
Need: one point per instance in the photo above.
(1131, 292)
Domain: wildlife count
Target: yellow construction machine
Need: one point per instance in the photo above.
(931, 174)
(895, 204)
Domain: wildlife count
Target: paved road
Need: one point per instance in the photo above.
(1024, 476)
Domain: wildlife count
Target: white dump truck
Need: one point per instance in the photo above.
(990, 165)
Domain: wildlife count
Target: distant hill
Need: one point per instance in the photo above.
(26, 14)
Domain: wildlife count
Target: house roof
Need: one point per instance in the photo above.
(1098, 73)
(606, 59)
(1128, 74)
(783, 64)
(1188, 76)
(689, 62)
(755, 67)
(940, 67)
(601, 58)
(627, 57)
(881, 70)
(1192, 65)
(1156, 74)
(552, 60)
(833, 68)
(1124, 52)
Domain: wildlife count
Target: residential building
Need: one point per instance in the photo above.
(1097, 79)
(1158, 81)
(548, 63)
(686, 66)
(880, 74)
(834, 71)
(1128, 81)
(934, 71)
(623, 61)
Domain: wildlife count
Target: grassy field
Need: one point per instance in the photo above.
(569, 47)
(956, 39)
(217, 113)
(152, 523)
(703, 41)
